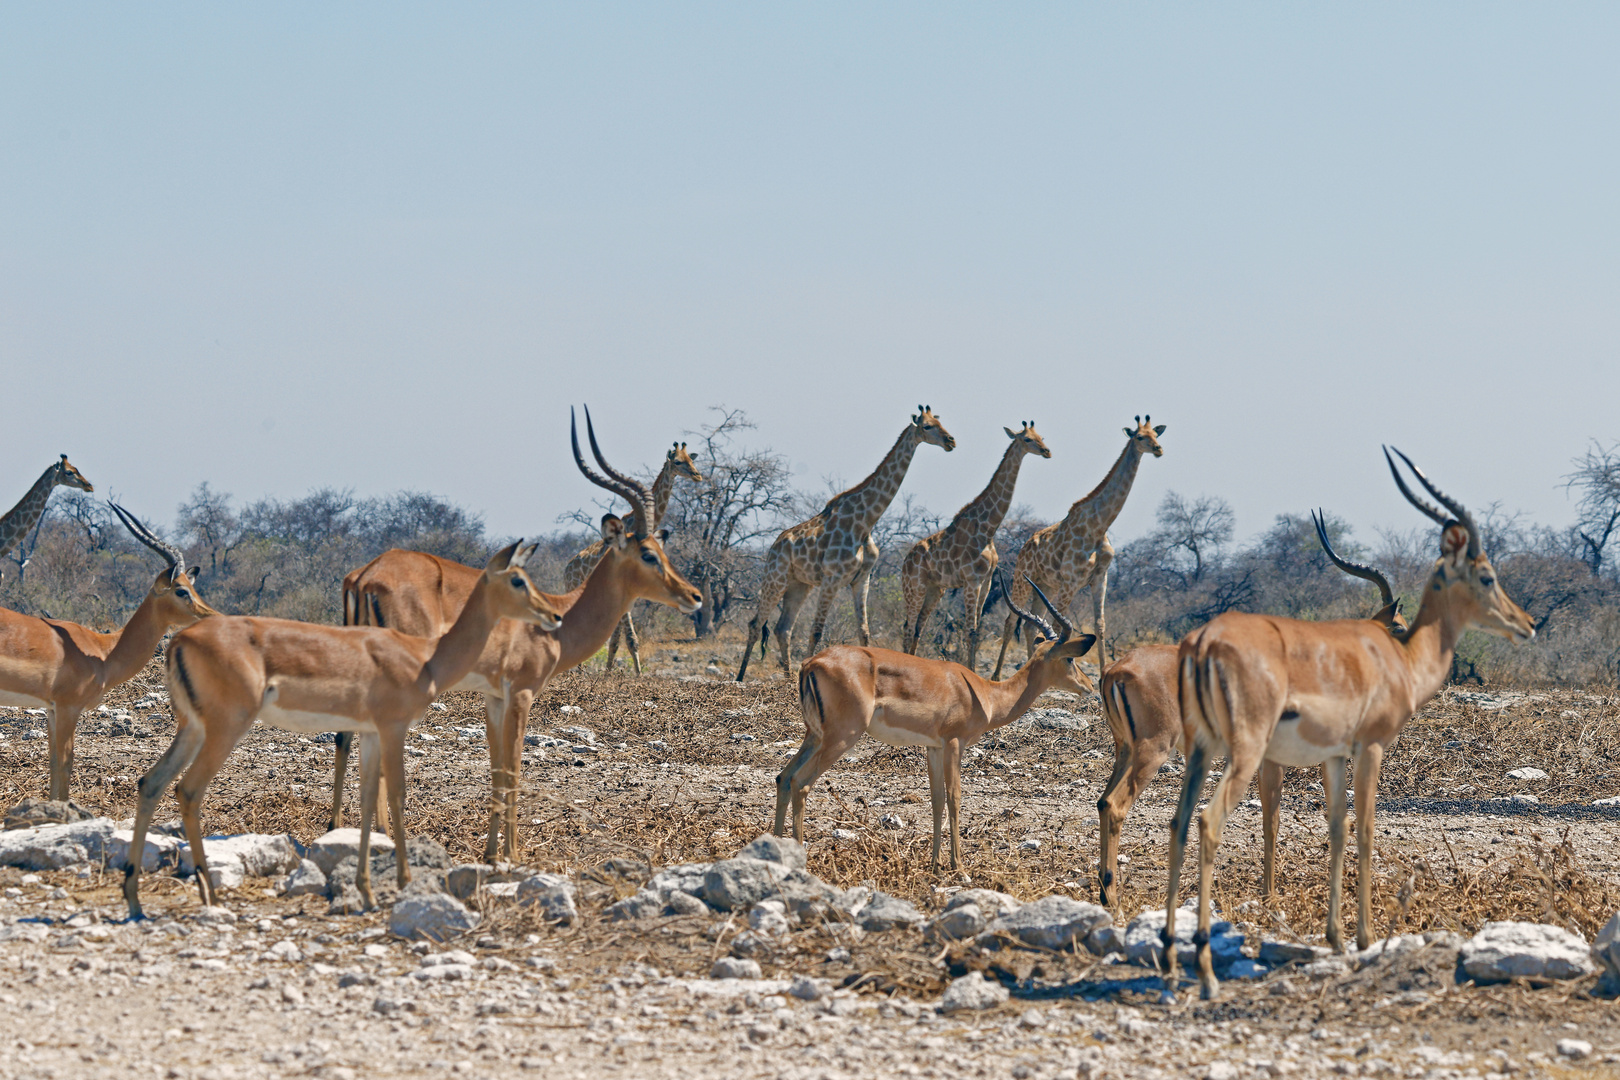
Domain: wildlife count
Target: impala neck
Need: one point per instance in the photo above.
(591, 612)
(131, 648)
(1097, 511)
(1430, 646)
(455, 653)
(868, 500)
(1011, 698)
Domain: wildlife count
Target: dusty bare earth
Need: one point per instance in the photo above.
(682, 770)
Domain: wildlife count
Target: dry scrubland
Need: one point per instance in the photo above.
(684, 771)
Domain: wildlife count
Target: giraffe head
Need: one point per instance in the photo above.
(68, 476)
(930, 430)
(681, 463)
(1145, 435)
(1028, 440)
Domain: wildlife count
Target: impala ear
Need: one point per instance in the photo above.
(664, 534)
(1158, 429)
(503, 558)
(1453, 540)
(614, 534)
(193, 573)
(520, 558)
(1076, 647)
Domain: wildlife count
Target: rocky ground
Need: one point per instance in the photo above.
(625, 775)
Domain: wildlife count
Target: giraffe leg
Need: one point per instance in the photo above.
(771, 591)
(1099, 599)
(630, 641)
(824, 603)
(1006, 637)
(613, 645)
(792, 600)
(913, 590)
(973, 601)
(858, 589)
(930, 600)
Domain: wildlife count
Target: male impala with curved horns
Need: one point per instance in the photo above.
(850, 690)
(419, 594)
(227, 672)
(1141, 701)
(67, 668)
(1259, 687)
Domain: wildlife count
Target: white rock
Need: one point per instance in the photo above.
(850, 834)
(777, 849)
(1613, 800)
(1529, 772)
(1144, 944)
(961, 921)
(434, 915)
(55, 847)
(287, 951)
(731, 967)
(1574, 1049)
(1052, 922)
(1508, 950)
(307, 880)
(806, 989)
(1029, 843)
(553, 894)
(885, 912)
(769, 917)
(1606, 948)
(972, 991)
(253, 854)
(159, 850)
(686, 904)
(994, 904)
(454, 956)
(1222, 1070)
(332, 848)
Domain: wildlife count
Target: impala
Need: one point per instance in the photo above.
(419, 594)
(68, 668)
(1257, 687)
(849, 691)
(228, 672)
(1140, 701)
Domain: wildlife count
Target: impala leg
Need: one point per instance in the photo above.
(1110, 817)
(1240, 767)
(936, 797)
(188, 740)
(1271, 779)
(1191, 784)
(825, 756)
(784, 788)
(494, 707)
(391, 786)
(189, 793)
(1368, 763)
(1333, 784)
(517, 721)
(59, 726)
(340, 769)
(370, 775)
(631, 643)
(953, 797)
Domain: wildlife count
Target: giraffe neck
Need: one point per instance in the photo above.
(15, 525)
(663, 487)
(867, 501)
(976, 523)
(1093, 514)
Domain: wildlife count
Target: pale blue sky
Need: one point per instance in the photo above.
(385, 246)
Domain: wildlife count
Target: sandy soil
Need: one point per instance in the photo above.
(679, 766)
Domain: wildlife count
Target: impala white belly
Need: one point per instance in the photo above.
(310, 723)
(1287, 747)
(882, 731)
(22, 700)
(477, 683)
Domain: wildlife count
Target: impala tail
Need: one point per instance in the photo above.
(810, 704)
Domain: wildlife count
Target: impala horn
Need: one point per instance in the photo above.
(1063, 624)
(171, 554)
(1459, 515)
(627, 488)
(1360, 570)
(1028, 616)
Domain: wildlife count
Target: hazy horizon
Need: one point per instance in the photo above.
(385, 248)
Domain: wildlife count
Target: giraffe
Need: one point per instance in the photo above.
(1068, 555)
(26, 514)
(677, 463)
(835, 548)
(962, 555)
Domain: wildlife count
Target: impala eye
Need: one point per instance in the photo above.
(182, 594)
(649, 558)
(517, 583)
(1487, 581)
